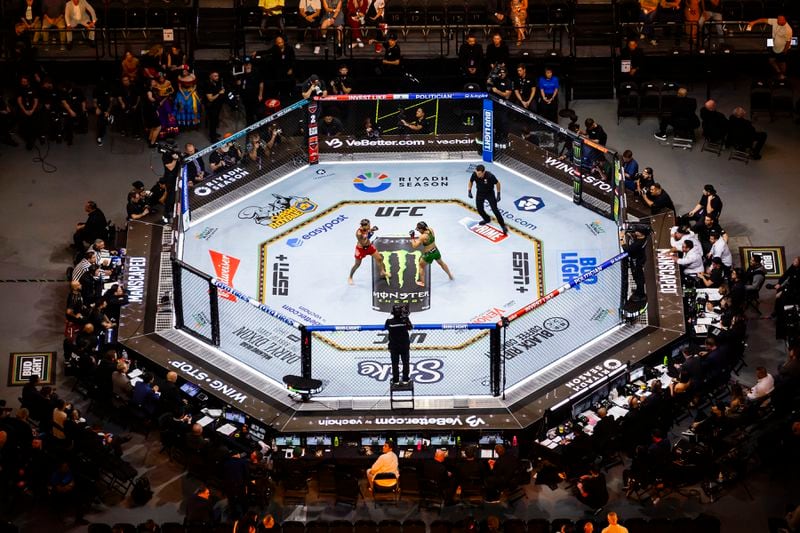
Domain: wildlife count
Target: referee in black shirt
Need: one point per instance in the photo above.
(486, 183)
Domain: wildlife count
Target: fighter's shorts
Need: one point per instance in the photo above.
(431, 255)
(362, 252)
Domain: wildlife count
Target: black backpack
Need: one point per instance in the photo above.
(141, 492)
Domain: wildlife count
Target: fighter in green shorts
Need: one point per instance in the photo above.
(430, 252)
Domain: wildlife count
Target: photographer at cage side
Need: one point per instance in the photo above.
(498, 82)
(313, 86)
(633, 243)
(225, 156)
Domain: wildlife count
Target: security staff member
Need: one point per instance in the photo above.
(398, 326)
(634, 247)
(486, 183)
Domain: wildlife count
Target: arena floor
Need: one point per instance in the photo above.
(292, 244)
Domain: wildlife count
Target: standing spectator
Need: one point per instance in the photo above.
(308, 21)
(251, 91)
(524, 87)
(152, 124)
(196, 168)
(28, 108)
(53, 17)
(80, 13)
(470, 58)
(630, 168)
(634, 56)
(781, 42)
(500, 85)
(214, 96)
(280, 65)
(496, 52)
(548, 95)
(187, 101)
(392, 58)
(103, 101)
(128, 103)
(93, 228)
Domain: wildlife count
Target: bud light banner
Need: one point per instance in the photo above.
(403, 266)
(487, 126)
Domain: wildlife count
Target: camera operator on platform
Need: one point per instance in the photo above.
(398, 326)
(633, 243)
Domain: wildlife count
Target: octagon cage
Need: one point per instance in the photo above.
(489, 353)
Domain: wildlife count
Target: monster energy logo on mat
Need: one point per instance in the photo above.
(401, 264)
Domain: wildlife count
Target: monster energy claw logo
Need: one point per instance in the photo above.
(403, 269)
(402, 265)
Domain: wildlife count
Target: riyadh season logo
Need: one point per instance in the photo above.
(372, 182)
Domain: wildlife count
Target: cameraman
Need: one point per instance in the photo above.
(787, 293)
(342, 83)
(633, 243)
(256, 150)
(313, 86)
(398, 326)
(498, 82)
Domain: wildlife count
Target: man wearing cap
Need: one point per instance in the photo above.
(391, 56)
(225, 156)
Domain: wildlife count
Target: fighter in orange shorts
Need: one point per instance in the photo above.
(365, 248)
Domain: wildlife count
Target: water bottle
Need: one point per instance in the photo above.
(458, 441)
(666, 360)
(336, 441)
(514, 441)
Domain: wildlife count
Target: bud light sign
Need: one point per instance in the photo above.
(488, 130)
(572, 266)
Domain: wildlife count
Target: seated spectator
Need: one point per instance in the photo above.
(503, 473)
(30, 21)
(387, 462)
(764, 386)
(93, 228)
(470, 59)
(65, 493)
(591, 489)
(691, 262)
(743, 136)
(145, 395)
(708, 204)
(737, 403)
(704, 230)
(714, 277)
(121, 384)
(683, 117)
(714, 123)
(356, 18)
(195, 441)
(658, 200)
(468, 469)
(171, 400)
(330, 126)
(679, 234)
(595, 132)
(53, 18)
(437, 471)
(649, 9)
(719, 248)
(80, 13)
(272, 14)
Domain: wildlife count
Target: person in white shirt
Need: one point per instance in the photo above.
(387, 462)
(692, 261)
(719, 248)
(781, 42)
(765, 384)
(678, 234)
(80, 13)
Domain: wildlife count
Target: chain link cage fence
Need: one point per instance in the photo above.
(562, 324)
(251, 158)
(193, 298)
(400, 125)
(443, 362)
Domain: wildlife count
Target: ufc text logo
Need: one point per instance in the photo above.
(400, 210)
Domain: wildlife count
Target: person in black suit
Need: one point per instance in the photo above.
(715, 125)
(743, 136)
(195, 169)
(94, 227)
(683, 118)
(591, 489)
(438, 472)
(171, 400)
(502, 473)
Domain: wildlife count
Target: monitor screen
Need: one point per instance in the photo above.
(366, 441)
(487, 454)
(581, 406)
(406, 440)
(190, 389)
(771, 42)
(490, 439)
(233, 416)
(257, 432)
(281, 441)
(443, 440)
(294, 440)
(637, 374)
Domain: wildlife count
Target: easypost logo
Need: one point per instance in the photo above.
(487, 231)
(372, 182)
(296, 242)
(529, 204)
